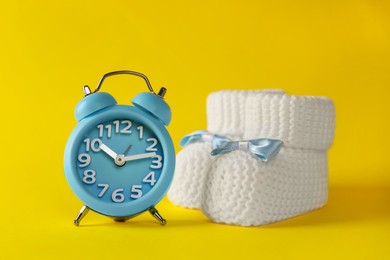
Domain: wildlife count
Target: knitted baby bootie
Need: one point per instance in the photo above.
(225, 110)
(225, 117)
(243, 190)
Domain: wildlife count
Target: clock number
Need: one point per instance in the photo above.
(136, 191)
(101, 130)
(150, 179)
(84, 160)
(117, 196)
(157, 162)
(126, 130)
(152, 147)
(109, 128)
(92, 145)
(141, 131)
(87, 142)
(89, 177)
(116, 123)
(105, 188)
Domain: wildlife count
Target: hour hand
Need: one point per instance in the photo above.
(139, 156)
(108, 151)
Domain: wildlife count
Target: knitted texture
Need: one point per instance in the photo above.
(225, 116)
(300, 121)
(192, 165)
(226, 110)
(243, 190)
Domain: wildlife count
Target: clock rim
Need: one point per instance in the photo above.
(142, 204)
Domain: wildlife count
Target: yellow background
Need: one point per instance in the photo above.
(49, 49)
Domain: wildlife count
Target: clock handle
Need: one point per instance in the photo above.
(113, 73)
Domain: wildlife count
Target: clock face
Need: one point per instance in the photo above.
(119, 161)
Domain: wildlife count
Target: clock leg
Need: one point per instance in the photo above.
(83, 211)
(157, 216)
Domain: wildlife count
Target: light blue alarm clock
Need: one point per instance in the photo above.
(120, 159)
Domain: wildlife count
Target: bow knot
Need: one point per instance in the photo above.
(204, 137)
(263, 148)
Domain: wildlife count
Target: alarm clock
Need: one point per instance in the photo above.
(120, 159)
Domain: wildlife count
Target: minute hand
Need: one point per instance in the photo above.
(139, 156)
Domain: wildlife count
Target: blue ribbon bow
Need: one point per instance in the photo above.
(264, 148)
(204, 137)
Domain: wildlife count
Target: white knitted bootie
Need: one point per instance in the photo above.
(225, 117)
(243, 190)
(225, 111)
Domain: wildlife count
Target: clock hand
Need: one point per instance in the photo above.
(108, 151)
(139, 156)
(128, 149)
